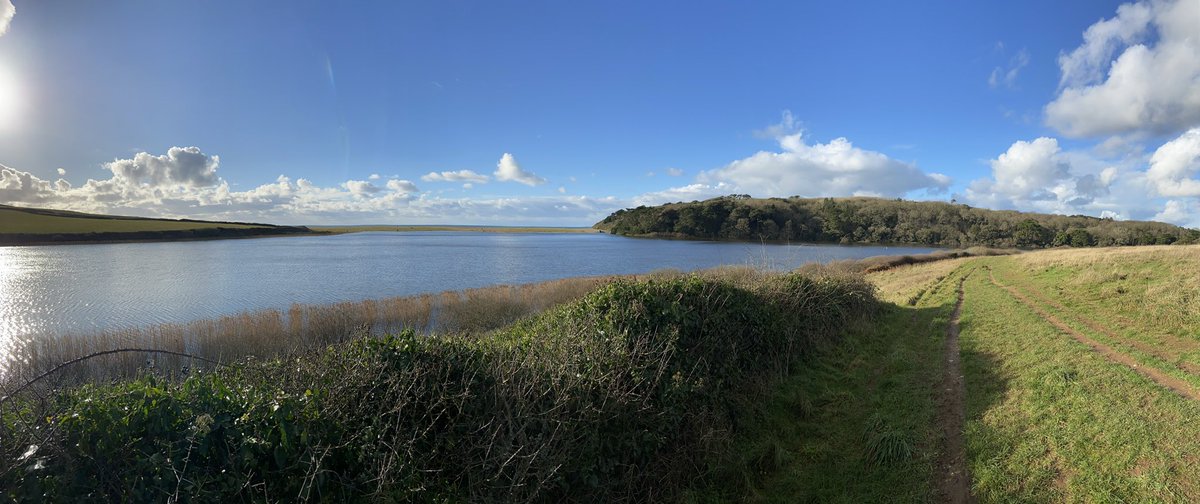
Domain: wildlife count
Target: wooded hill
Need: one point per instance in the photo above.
(878, 220)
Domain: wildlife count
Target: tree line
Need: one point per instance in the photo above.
(878, 220)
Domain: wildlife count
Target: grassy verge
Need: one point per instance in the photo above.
(631, 393)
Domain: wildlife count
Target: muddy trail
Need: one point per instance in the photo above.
(1113, 355)
(954, 481)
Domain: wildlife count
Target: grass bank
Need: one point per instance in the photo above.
(633, 392)
(29, 226)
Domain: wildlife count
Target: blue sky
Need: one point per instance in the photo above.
(561, 112)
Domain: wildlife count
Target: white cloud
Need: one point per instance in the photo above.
(1038, 176)
(837, 168)
(180, 166)
(1007, 76)
(1152, 85)
(562, 190)
(21, 187)
(374, 176)
(361, 188)
(690, 192)
(7, 11)
(508, 170)
(402, 186)
(300, 201)
(674, 172)
(468, 185)
(1179, 212)
(1175, 163)
(455, 176)
(62, 172)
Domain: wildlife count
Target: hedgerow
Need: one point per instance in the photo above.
(628, 394)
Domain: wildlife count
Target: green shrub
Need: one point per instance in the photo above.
(624, 395)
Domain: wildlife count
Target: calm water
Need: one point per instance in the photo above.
(82, 288)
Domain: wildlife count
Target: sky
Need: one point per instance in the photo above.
(558, 113)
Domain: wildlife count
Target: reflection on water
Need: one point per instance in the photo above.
(84, 288)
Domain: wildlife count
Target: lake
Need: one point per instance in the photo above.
(85, 288)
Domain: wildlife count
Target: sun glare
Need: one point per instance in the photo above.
(11, 100)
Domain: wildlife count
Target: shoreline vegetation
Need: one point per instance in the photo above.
(824, 384)
(863, 220)
(622, 388)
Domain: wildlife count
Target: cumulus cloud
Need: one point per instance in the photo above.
(1135, 73)
(289, 201)
(22, 187)
(361, 188)
(402, 186)
(837, 168)
(455, 176)
(1179, 212)
(7, 11)
(1175, 164)
(690, 192)
(62, 172)
(674, 172)
(179, 166)
(507, 170)
(1039, 176)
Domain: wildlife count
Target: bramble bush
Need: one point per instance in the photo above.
(628, 394)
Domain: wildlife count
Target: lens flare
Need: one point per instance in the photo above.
(11, 99)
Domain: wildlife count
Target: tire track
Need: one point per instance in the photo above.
(1113, 355)
(954, 481)
(1184, 366)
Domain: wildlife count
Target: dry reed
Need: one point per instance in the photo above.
(270, 333)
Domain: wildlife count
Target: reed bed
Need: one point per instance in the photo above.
(269, 333)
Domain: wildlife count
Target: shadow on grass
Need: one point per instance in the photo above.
(986, 388)
(855, 422)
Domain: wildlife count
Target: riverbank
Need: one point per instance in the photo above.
(622, 395)
(1062, 375)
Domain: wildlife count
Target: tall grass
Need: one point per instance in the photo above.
(269, 333)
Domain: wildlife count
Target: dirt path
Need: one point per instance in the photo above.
(954, 482)
(1175, 384)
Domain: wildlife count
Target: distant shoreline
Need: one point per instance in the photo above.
(30, 239)
(445, 227)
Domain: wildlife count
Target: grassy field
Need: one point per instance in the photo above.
(471, 229)
(27, 226)
(1082, 381)
(31, 221)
